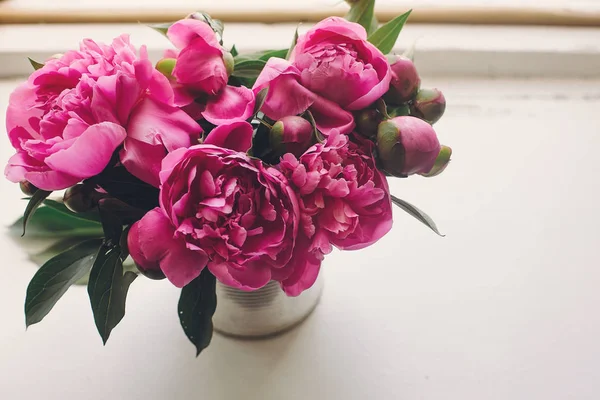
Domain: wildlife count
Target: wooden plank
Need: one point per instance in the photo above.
(550, 16)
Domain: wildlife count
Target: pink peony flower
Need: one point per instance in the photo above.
(287, 96)
(71, 115)
(201, 73)
(336, 61)
(219, 209)
(344, 201)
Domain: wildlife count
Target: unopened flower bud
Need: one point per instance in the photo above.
(229, 62)
(367, 122)
(165, 66)
(197, 15)
(27, 188)
(398, 111)
(429, 105)
(291, 134)
(406, 146)
(405, 81)
(441, 162)
(81, 198)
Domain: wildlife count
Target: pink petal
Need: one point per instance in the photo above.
(170, 161)
(51, 180)
(327, 28)
(286, 95)
(184, 31)
(201, 67)
(241, 277)
(90, 153)
(152, 245)
(143, 160)
(230, 104)
(157, 123)
(305, 266)
(329, 116)
(235, 136)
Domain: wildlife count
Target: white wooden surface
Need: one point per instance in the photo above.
(504, 307)
(449, 50)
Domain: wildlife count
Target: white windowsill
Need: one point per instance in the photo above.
(442, 50)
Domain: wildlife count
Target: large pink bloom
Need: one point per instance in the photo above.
(288, 96)
(336, 61)
(221, 209)
(344, 200)
(201, 75)
(71, 115)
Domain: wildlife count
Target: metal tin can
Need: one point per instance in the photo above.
(265, 312)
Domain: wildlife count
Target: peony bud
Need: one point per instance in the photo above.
(229, 62)
(406, 146)
(200, 16)
(441, 162)
(429, 105)
(81, 198)
(291, 134)
(27, 188)
(405, 81)
(367, 122)
(399, 111)
(165, 66)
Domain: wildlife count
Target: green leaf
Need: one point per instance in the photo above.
(54, 248)
(373, 26)
(273, 54)
(107, 288)
(385, 37)
(197, 304)
(56, 276)
(362, 12)
(59, 206)
(260, 55)
(161, 28)
(35, 201)
(260, 98)
(415, 212)
(294, 41)
(48, 222)
(248, 68)
(36, 65)
(234, 52)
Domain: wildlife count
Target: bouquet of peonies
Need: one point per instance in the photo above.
(213, 165)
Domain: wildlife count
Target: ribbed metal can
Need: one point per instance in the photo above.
(264, 312)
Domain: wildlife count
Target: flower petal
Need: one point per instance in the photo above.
(152, 245)
(79, 160)
(235, 136)
(232, 103)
